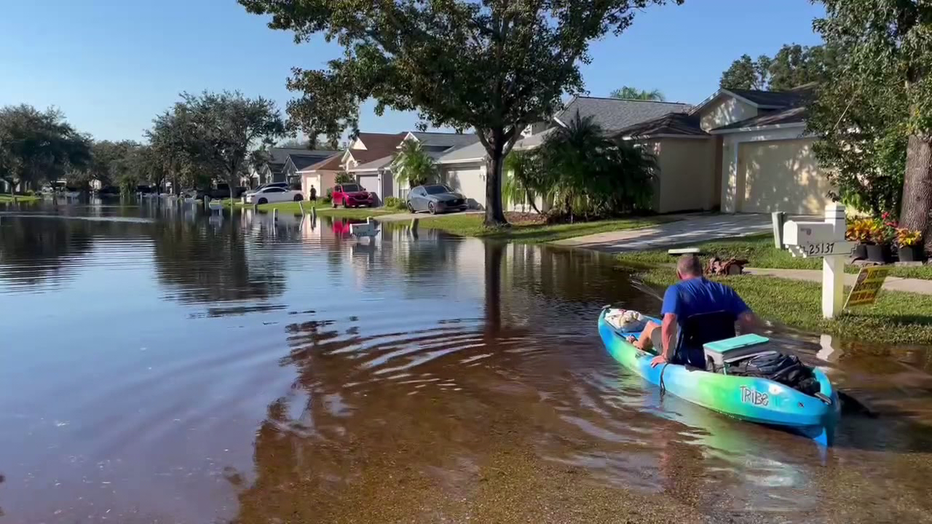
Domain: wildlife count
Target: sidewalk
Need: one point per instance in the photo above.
(690, 228)
(909, 285)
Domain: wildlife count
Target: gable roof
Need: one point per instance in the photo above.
(772, 99)
(303, 160)
(279, 155)
(334, 163)
(673, 124)
(446, 140)
(375, 165)
(614, 114)
(471, 153)
(377, 145)
(792, 117)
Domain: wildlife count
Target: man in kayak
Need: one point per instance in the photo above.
(693, 304)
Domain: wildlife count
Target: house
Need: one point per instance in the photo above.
(464, 169)
(321, 176)
(283, 165)
(367, 157)
(744, 151)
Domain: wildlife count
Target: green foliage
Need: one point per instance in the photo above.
(413, 166)
(493, 66)
(633, 93)
(744, 73)
(38, 146)
(592, 175)
(864, 114)
(343, 178)
(394, 203)
(112, 162)
(793, 66)
(214, 134)
(525, 178)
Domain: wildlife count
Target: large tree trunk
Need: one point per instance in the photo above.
(494, 211)
(917, 188)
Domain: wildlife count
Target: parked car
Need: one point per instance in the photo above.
(283, 185)
(352, 195)
(271, 195)
(435, 198)
(222, 191)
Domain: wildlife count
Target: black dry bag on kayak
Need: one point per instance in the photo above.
(785, 369)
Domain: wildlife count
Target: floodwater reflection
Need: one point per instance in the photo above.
(179, 367)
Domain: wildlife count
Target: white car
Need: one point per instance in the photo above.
(283, 185)
(271, 195)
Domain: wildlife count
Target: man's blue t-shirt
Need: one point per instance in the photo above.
(699, 295)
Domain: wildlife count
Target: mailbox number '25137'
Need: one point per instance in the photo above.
(824, 248)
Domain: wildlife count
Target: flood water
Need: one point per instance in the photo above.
(162, 365)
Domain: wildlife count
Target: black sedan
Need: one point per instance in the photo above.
(435, 199)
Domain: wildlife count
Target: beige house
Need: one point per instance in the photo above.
(741, 150)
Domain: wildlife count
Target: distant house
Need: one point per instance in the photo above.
(744, 151)
(741, 151)
(321, 176)
(283, 165)
(465, 169)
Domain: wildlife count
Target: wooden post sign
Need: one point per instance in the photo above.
(825, 240)
(868, 284)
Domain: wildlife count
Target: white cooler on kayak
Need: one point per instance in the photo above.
(720, 353)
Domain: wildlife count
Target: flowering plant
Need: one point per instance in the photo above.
(859, 230)
(906, 237)
(883, 229)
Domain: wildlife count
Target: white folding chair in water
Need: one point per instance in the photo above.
(367, 230)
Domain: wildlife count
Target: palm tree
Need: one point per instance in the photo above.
(522, 182)
(595, 174)
(633, 93)
(412, 165)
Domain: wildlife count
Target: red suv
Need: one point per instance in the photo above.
(351, 195)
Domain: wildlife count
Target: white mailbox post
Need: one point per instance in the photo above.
(825, 240)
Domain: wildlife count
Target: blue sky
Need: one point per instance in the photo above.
(111, 66)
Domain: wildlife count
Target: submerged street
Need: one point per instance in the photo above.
(164, 365)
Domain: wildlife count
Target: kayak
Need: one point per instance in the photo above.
(747, 398)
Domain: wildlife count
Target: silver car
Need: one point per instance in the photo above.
(435, 198)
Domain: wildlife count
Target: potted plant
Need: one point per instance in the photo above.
(859, 231)
(882, 232)
(909, 242)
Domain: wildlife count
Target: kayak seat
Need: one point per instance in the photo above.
(698, 330)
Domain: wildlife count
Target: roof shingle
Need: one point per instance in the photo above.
(614, 114)
(679, 124)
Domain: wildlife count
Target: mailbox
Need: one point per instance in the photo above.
(818, 239)
(825, 240)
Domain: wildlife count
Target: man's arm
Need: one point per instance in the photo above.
(668, 338)
(749, 322)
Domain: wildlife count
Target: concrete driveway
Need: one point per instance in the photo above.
(689, 229)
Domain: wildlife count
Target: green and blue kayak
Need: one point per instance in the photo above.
(747, 398)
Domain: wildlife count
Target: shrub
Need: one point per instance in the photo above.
(394, 203)
(327, 199)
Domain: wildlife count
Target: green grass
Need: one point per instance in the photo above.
(896, 317)
(760, 252)
(322, 209)
(23, 199)
(471, 226)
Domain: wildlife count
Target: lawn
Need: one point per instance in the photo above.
(23, 199)
(322, 209)
(895, 317)
(760, 252)
(529, 228)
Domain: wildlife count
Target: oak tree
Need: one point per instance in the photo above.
(494, 65)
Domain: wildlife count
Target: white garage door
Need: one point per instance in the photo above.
(470, 182)
(781, 175)
(371, 184)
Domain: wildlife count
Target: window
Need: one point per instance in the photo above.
(350, 188)
(436, 190)
(274, 190)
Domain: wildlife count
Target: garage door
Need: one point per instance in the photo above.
(311, 180)
(781, 175)
(371, 184)
(470, 182)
